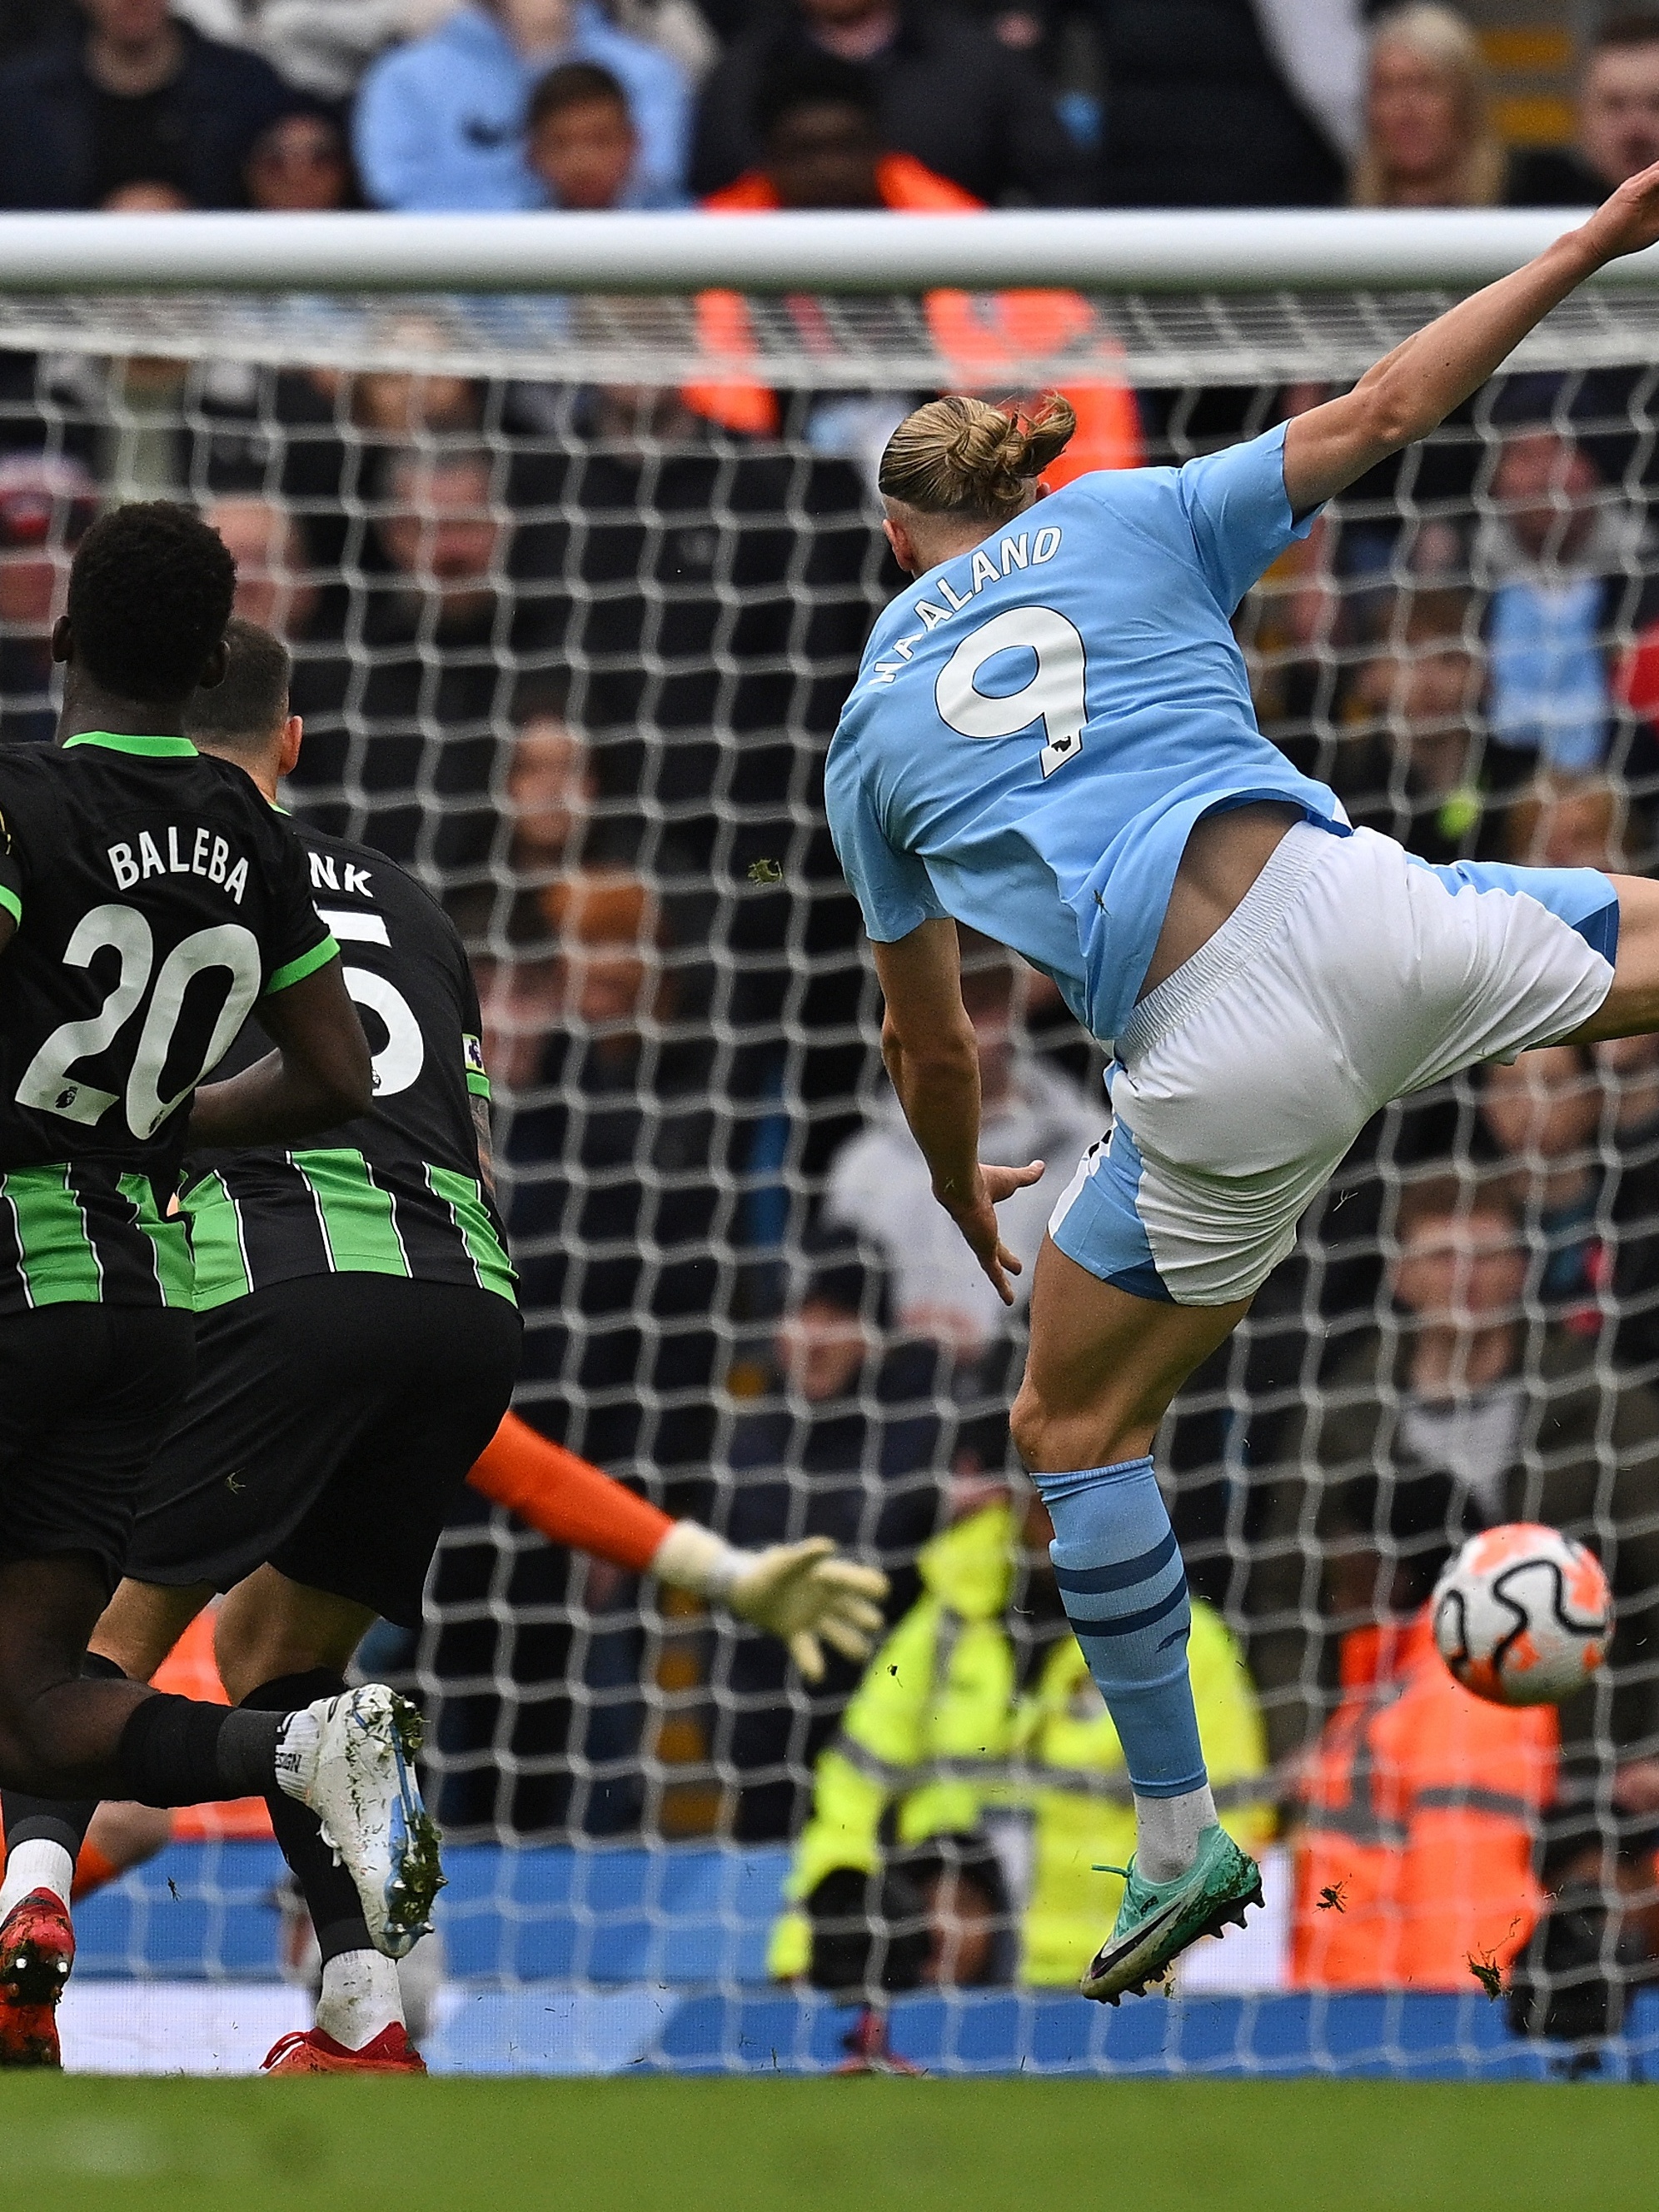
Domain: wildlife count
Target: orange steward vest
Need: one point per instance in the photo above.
(1415, 1851)
(987, 337)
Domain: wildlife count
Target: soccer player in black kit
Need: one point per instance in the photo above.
(357, 1339)
(149, 900)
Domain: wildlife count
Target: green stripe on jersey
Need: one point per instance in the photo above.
(174, 1272)
(295, 971)
(462, 1195)
(12, 903)
(358, 1222)
(216, 1243)
(145, 748)
(478, 1076)
(59, 1265)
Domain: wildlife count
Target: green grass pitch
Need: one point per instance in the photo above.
(79, 2144)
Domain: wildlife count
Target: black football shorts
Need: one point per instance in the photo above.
(333, 1423)
(87, 1393)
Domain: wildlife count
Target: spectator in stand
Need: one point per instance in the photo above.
(895, 1879)
(439, 622)
(582, 144)
(1418, 768)
(301, 164)
(1419, 1806)
(1429, 136)
(1571, 821)
(951, 97)
(608, 1186)
(441, 124)
(556, 820)
(322, 46)
(46, 505)
(1618, 102)
(1228, 103)
(1629, 1067)
(819, 122)
(714, 598)
(1567, 562)
(1581, 1127)
(551, 793)
(847, 1442)
(879, 1183)
(1525, 1421)
(1543, 1112)
(274, 584)
(139, 99)
(278, 586)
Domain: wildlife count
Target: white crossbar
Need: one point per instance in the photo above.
(1096, 250)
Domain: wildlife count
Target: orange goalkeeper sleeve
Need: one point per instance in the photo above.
(566, 1499)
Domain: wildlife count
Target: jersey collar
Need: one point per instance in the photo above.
(149, 748)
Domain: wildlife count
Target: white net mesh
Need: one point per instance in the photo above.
(574, 652)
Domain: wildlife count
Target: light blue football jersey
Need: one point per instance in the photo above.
(1038, 724)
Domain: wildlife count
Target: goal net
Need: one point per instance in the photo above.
(576, 584)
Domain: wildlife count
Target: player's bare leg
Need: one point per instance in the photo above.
(269, 1625)
(1103, 1370)
(1103, 1367)
(142, 1623)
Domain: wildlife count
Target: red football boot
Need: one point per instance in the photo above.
(313, 2051)
(869, 2050)
(37, 1949)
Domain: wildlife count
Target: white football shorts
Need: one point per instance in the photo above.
(1350, 973)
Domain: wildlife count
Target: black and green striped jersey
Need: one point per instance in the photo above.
(155, 898)
(399, 1192)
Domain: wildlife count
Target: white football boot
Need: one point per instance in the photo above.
(359, 1782)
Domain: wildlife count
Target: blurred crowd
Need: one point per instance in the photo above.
(572, 654)
(502, 104)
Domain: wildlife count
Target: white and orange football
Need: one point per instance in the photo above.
(1523, 1615)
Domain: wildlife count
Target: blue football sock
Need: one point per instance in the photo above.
(1125, 1592)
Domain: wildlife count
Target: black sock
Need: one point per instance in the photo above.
(175, 1752)
(331, 1894)
(56, 1819)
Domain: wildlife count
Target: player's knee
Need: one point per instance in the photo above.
(1053, 1438)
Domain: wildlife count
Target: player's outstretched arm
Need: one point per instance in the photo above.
(804, 1594)
(318, 1076)
(927, 1042)
(1413, 389)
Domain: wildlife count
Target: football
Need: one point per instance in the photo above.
(1522, 1615)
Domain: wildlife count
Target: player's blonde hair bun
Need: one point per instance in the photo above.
(962, 456)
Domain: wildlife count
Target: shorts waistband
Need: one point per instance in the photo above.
(1234, 945)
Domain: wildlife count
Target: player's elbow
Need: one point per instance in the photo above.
(1388, 413)
(354, 1088)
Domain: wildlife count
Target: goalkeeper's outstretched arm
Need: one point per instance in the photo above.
(804, 1593)
(1413, 390)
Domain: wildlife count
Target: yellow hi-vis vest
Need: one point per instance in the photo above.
(932, 1730)
(1064, 1731)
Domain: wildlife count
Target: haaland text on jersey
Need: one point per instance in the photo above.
(1051, 711)
(1010, 553)
(209, 856)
